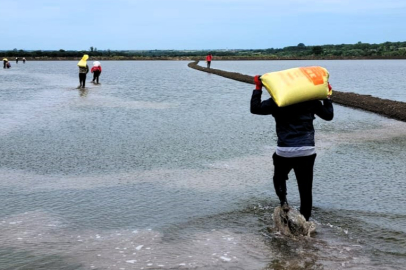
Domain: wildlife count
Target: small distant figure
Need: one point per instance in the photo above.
(16, 60)
(96, 70)
(82, 76)
(8, 64)
(83, 70)
(5, 62)
(209, 57)
(23, 60)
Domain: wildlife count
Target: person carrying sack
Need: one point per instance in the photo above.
(296, 145)
(83, 70)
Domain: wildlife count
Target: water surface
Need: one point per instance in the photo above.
(163, 167)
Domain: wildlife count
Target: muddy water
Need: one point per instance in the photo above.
(163, 167)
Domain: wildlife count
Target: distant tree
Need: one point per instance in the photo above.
(317, 50)
(354, 52)
(362, 46)
(37, 53)
(359, 49)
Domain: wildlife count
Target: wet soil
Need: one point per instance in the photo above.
(385, 107)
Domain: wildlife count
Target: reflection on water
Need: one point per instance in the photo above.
(83, 92)
(178, 174)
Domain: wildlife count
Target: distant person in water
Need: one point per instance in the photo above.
(96, 70)
(83, 70)
(82, 76)
(23, 60)
(16, 60)
(8, 64)
(5, 62)
(209, 57)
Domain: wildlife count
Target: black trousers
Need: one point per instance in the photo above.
(208, 64)
(82, 79)
(303, 168)
(96, 75)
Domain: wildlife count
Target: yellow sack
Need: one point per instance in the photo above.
(296, 85)
(82, 63)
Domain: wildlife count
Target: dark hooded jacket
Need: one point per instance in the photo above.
(294, 123)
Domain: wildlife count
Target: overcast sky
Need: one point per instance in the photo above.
(197, 24)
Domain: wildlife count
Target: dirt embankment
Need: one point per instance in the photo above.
(389, 108)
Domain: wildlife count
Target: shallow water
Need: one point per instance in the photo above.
(162, 167)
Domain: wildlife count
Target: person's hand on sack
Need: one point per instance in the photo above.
(258, 83)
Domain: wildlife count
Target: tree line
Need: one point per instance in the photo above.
(301, 51)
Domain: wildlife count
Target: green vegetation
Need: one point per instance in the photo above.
(387, 50)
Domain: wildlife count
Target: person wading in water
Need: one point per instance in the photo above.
(296, 145)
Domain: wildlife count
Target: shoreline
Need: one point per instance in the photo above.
(196, 58)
